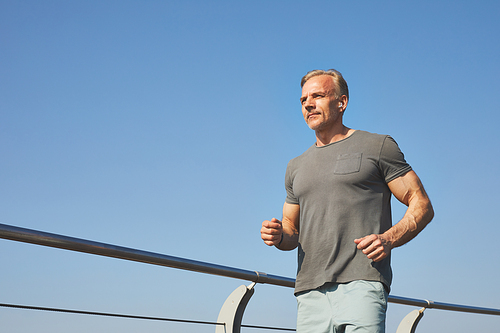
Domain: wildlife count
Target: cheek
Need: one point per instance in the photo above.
(331, 115)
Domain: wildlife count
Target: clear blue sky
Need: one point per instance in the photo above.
(167, 126)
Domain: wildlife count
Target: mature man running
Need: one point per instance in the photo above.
(337, 213)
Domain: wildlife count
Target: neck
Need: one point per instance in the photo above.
(324, 138)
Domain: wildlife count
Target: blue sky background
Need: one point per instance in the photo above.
(166, 126)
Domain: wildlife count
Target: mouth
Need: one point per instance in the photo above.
(312, 115)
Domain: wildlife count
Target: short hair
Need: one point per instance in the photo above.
(338, 80)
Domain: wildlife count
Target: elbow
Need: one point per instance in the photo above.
(430, 212)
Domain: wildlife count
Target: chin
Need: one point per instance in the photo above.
(315, 126)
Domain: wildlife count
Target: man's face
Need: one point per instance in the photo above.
(319, 106)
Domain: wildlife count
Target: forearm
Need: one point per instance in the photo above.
(417, 216)
(290, 227)
(409, 190)
(290, 237)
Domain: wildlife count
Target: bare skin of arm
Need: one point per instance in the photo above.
(272, 231)
(409, 190)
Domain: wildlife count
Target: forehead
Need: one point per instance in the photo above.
(322, 83)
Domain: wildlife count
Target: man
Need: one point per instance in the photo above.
(337, 213)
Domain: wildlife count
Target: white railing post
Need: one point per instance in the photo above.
(410, 322)
(231, 312)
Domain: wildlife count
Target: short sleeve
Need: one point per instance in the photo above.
(290, 196)
(392, 161)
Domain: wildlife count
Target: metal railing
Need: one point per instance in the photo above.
(236, 310)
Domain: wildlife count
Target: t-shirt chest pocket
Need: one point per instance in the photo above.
(347, 163)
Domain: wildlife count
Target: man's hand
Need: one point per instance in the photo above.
(376, 247)
(271, 232)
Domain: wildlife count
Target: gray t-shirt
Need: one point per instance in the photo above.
(343, 195)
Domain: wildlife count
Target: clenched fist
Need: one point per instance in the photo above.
(272, 232)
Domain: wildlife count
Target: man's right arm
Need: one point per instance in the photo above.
(283, 234)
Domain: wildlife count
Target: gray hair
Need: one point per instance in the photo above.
(338, 80)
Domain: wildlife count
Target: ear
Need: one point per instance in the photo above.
(343, 103)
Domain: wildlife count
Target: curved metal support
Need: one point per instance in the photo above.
(410, 322)
(231, 312)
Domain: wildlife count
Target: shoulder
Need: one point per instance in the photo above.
(299, 159)
(366, 142)
(368, 136)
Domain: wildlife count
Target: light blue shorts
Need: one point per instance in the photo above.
(357, 306)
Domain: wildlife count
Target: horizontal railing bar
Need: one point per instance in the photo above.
(107, 314)
(108, 250)
(443, 306)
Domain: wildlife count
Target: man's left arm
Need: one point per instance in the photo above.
(409, 190)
